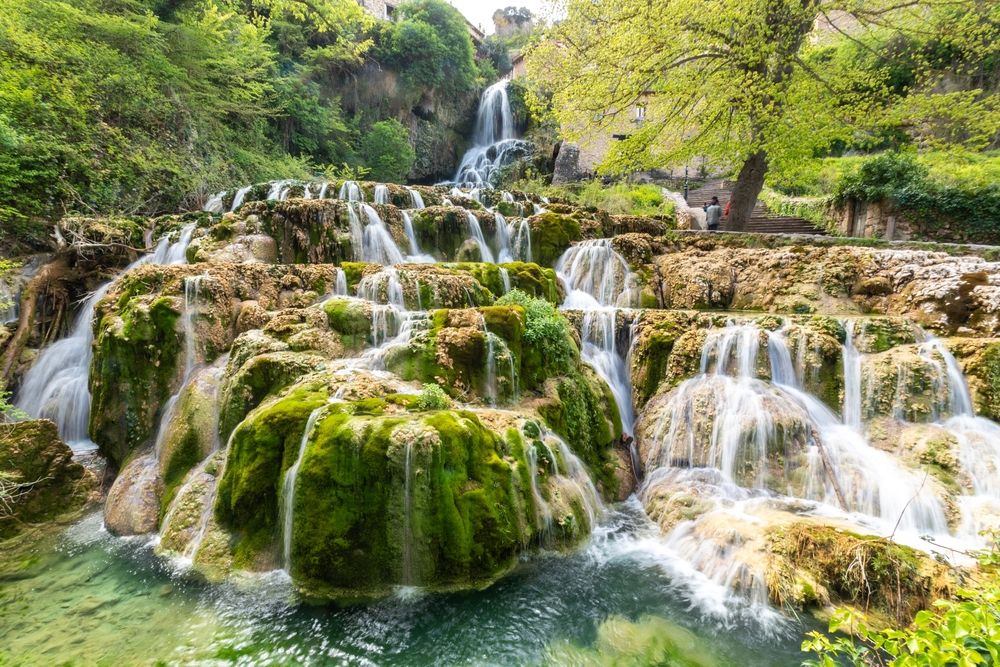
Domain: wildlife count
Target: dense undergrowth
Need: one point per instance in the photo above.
(146, 107)
(616, 198)
(961, 631)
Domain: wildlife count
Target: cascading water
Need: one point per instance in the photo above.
(476, 233)
(416, 198)
(351, 191)
(240, 196)
(192, 286)
(382, 194)
(595, 275)
(600, 283)
(288, 488)
(57, 385)
(852, 379)
(415, 256)
(494, 140)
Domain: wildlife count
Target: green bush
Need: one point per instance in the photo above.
(941, 211)
(430, 47)
(432, 397)
(961, 631)
(387, 151)
(544, 328)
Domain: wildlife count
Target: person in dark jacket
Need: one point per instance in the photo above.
(713, 214)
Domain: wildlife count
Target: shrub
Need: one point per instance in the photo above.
(962, 631)
(545, 328)
(432, 397)
(387, 151)
(942, 211)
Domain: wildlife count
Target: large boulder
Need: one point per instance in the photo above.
(40, 480)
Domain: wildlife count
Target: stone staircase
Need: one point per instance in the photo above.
(762, 221)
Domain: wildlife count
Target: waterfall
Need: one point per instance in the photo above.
(415, 255)
(494, 140)
(566, 471)
(408, 578)
(214, 203)
(351, 191)
(600, 352)
(521, 240)
(240, 196)
(493, 342)
(382, 194)
(598, 281)
(278, 190)
(842, 468)
(870, 481)
(415, 198)
(505, 277)
(476, 233)
(378, 246)
(977, 438)
(192, 285)
(504, 254)
(596, 275)
(543, 512)
(322, 190)
(852, 379)
(57, 385)
(288, 488)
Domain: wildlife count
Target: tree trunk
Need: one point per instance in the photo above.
(49, 274)
(748, 186)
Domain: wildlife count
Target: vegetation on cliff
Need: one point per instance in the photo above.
(147, 107)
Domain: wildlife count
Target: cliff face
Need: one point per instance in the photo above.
(439, 125)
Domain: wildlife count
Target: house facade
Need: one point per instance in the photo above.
(383, 10)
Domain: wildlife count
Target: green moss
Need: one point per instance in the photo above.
(551, 235)
(441, 228)
(259, 377)
(583, 412)
(133, 374)
(353, 271)
(989, 371)
(262, 447)
(350, 319)
(350, 530)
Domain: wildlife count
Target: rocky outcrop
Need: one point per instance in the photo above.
(39, 480)
(941, 292)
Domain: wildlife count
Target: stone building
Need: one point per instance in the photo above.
(381, 9)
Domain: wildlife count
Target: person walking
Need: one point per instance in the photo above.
(713, 214)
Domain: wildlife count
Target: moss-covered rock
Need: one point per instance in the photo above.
(140, 353)
(49, 483)
(134, 372)
(551, 235)
(454, 353)
(192, 432)
(385, 495)
(811, 564)
(443, 230)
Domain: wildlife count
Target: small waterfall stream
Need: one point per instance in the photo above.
(57, 385)
(494, 141)
(288, 487)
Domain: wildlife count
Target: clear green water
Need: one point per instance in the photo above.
(88, 598)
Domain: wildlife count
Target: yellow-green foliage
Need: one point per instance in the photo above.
(959, 630)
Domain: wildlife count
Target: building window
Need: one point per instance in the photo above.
(640, 113)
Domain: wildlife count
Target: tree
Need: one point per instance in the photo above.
(387, 152)
(729, 79)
